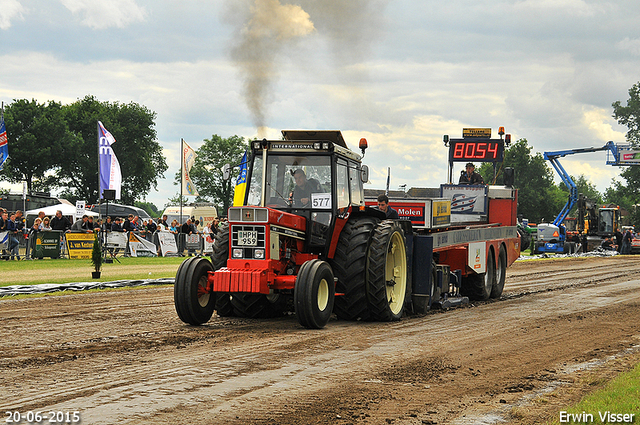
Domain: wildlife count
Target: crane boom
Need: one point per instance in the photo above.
(622, 154)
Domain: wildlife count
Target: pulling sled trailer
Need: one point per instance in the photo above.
(305, 240)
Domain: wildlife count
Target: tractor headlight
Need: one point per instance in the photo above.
(258, 254)
(237, 252)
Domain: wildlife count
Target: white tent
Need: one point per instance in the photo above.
(67, 210)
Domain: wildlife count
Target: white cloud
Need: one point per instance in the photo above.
(599, 121)
(571, 7)
(101, 14)
(9, 10)
(631, 45)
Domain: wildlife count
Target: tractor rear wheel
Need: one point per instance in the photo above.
(387, 272)
(193, 303)
(314, 294)
(219, 259)
(349, 266)
(501, 273)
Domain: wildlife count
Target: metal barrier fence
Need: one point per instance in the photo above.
(53, 244)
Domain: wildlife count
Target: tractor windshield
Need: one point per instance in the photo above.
(292, 181)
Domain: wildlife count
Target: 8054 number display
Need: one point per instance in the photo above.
(476, 150)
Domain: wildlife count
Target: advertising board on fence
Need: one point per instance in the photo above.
(168, 245)
(4, 240)
(79, 245)
(208, 244)
(140, 247)
(116, 240)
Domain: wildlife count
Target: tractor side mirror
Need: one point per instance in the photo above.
(364, 174)
(226, 172)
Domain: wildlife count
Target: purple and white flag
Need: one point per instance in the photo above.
(110, 175)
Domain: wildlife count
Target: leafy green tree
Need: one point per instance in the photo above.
(585, 187)
(149, 207)
(139, 153)
(538, 197)
(207, 169)
(627, 194)
(38, 140)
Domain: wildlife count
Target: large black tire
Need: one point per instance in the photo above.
(479, 286)
(221, 246)
(219, 259)
(349, 266)
(525, 239)
(387, 272)
(314, 294)
(501, 273)
(193, 303)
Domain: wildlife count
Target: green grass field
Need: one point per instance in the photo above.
(619, 397)
(30, 272)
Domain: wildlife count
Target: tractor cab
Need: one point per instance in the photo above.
(310, 174)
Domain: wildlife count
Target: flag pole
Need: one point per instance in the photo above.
(181, 174)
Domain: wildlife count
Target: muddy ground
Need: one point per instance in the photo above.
(561, 329)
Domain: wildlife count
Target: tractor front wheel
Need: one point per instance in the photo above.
(193, 303)
(314, 294)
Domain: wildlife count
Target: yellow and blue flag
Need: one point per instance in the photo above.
(241, 183)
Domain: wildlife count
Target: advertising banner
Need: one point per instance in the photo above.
(208, 244)
(4, 240)
(117, 240)
(48, 244)
(168, 245)
(192, 241)
(140, 247)
(79, 245)
(466, 199)
(80, 209)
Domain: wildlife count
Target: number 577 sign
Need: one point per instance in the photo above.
(321, 200)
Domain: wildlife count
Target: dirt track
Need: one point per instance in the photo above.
(124, 356)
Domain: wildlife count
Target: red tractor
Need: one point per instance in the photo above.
(305, 241)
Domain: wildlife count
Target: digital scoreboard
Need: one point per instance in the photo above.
(478, 150)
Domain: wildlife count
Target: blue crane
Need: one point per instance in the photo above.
(551, 236)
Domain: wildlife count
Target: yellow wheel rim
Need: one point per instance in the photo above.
(396, 273)
(323, 294)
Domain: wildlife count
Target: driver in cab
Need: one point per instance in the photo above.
(301, 195)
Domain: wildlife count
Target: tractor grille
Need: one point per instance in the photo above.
(248, 239)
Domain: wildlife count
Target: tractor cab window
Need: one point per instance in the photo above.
(355, 183)
(299, 182)
(255, 188)
(342, 184)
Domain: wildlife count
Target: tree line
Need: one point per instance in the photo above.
(54, 146)
(540, 199)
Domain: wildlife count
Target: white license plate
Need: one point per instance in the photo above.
(247, 237)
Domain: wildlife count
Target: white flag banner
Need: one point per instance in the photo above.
(188, 158)
(110, 174)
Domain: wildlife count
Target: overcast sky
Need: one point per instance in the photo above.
(401, 73)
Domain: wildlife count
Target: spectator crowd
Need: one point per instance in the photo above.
(15, 225)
